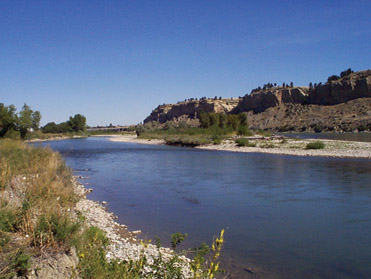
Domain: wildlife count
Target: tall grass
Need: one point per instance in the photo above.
(36, 195)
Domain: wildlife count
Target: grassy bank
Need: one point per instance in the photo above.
(38, 221)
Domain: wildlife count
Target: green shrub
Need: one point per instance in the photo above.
(244, 142)
(217, 139)
(54, 230)
(9, 219)
(315, 145)
(244, 131)
(177, 238)
(14, 263)
(21, 262)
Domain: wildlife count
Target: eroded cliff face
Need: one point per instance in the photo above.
(356, 85)
(264, 99)
(328, 106)
(190, 109)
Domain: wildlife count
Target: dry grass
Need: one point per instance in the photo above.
(35, 183)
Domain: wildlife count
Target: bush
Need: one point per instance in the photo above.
(244, 131)
(9, 220)
(217, 139)
(17, 264)
(54, 230)
(244, 142)
(315, 145)
(177, 238)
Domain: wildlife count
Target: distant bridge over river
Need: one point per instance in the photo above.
(113, 129)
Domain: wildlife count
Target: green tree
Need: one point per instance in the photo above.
(233, 121)
(242, 117)
(36, 118)
(204, 119)
(51, 127)
(346, 72)
(25, 120)
(223, 119)
(77, 123)
(213, 118)
(8, 119)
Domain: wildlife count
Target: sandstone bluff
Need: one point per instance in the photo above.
(342, 104)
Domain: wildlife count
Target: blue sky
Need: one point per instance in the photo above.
(115, 61)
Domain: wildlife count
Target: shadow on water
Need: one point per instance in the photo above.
(285, 216)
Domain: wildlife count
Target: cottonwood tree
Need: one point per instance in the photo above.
(78, 123)
(8, 119)
(25, 120)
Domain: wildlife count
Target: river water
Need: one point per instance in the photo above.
(285, 216)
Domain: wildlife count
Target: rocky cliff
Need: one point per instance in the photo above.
(190, 109)
(261, 100)
(353, 86)
(327, 106)
(356, 85)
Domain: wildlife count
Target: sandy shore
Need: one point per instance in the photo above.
(134, 139)
(333, 148)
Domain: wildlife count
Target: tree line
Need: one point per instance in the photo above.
(15, 124)
(74, 124)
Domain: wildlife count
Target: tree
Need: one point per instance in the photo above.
(213, 119)
(332, 78)
(346, 72)
(25, 120)
(77, 123)
(233, 121)
(8, 119)
(51, 127)
(36, 118)
(242, 117)
(204, 119)
(223, 120)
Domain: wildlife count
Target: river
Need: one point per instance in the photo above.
(284, 216)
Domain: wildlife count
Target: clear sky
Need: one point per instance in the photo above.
(115, 61)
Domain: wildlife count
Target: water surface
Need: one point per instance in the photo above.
(285, 216)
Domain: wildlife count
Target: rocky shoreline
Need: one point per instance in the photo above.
(334, 148)
(123, 244)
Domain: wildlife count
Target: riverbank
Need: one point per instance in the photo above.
(285, 146)
(123, 244)
(49, 229)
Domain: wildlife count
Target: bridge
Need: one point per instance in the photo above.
(113, 129)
